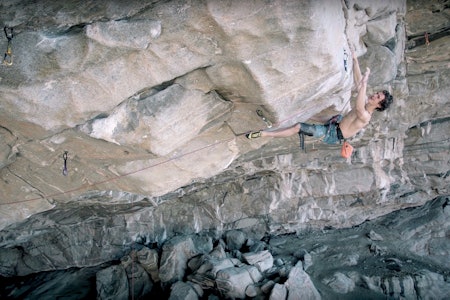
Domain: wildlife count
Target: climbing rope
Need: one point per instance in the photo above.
(85, 186)
(8, 59)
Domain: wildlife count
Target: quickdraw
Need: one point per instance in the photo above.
(427, 39)
(261, 115)
(302, 140)
(8, 59)
(65, 171)
(345, 60)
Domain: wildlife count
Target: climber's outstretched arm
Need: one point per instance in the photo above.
(356, 70)
(361, 111)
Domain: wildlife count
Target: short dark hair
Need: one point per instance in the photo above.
(388, 99)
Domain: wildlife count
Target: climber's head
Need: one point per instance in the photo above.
(386, 102)
(382, 100)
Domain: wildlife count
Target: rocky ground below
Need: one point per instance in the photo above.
(397, 256)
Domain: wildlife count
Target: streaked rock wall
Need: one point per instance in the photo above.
(150, 101)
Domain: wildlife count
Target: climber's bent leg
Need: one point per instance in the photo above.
(285, 132)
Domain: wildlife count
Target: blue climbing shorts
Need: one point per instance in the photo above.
(329, 133)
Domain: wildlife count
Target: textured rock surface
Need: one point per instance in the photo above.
(137, 95)
(407, 258)
(149, 99)
(112, 281)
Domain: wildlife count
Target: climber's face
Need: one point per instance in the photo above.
(376, 98)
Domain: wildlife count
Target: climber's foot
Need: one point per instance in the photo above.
(253, 135)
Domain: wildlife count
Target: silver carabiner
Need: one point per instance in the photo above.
(65, 171)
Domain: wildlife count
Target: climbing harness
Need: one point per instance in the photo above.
(346, 149)
(8, 59)
(331, 124)
(65, 171)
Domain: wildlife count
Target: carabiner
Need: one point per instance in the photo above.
(65, 171)
(8, 59)
(345, 60)
(11, 32)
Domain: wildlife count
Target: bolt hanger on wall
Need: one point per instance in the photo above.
(8, 58)
(65, 171)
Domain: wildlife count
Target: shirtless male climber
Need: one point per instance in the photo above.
(339, 128)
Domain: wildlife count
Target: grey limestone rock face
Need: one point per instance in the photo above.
(183, 291)
(7, 153)
(151, 101)
(233, 282)
(279, 291)
(112, 283)
(190, 267)
(177, 252)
